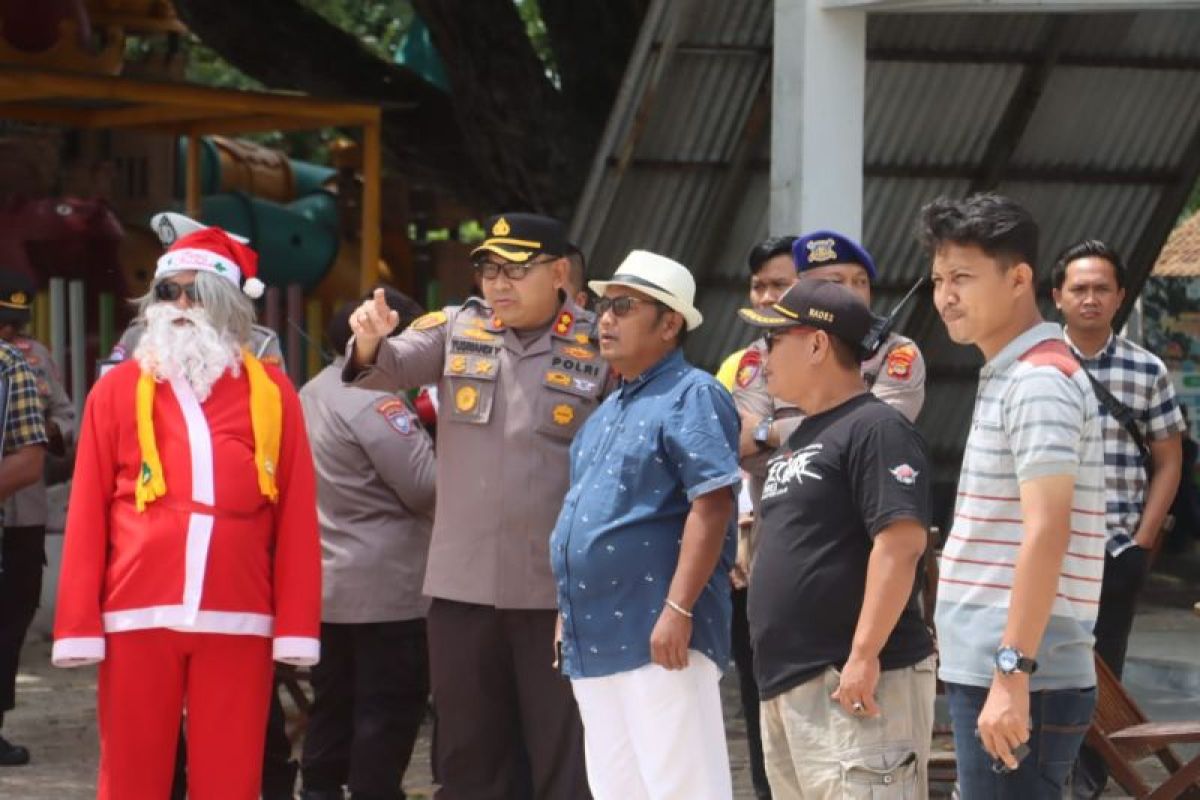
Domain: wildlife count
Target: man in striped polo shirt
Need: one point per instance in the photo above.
(1089, 286)
(1021, 569)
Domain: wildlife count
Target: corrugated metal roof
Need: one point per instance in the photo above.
(1107, 123)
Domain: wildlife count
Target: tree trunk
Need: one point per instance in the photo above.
(504, 138)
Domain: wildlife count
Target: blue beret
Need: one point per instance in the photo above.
(822, 248)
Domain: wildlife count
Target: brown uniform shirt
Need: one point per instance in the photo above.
(895, 374)
(506, 416)
(375, 497)
(29, 506)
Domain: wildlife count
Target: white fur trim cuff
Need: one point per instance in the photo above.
(186, 259)
(299, 651)
(77, 652)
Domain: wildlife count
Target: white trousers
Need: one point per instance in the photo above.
(656, 734)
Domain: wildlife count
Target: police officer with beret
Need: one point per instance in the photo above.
(895, 372)
(34, 401)
(170, 226)
(518, 372)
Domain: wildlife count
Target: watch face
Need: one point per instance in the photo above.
(1006, 659)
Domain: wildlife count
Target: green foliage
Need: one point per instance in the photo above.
(379, 24)
(535, 29)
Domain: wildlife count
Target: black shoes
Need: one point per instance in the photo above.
(12, 755)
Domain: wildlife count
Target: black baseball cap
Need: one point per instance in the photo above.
(519, 236)
(817, 304)
(16, 297)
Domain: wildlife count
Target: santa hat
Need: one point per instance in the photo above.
(213, 250)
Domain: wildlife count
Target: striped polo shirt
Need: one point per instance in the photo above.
(1035, 416)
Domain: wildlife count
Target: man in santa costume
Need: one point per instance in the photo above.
(191, 556)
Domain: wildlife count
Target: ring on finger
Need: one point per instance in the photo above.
(857, 707)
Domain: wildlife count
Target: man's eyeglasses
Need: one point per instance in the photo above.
(169, 291)
(488, 269)
(620, 306)
(772, 337)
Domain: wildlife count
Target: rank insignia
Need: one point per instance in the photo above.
(430, 320)
(466, 398)
(582, 353)
(563, 414)
(483, 367)
(479, 335)
(563, 326)
(458, 364)
(501, 228)
(748, 367)
(900, 362)
(558, 378)
(496, 323)
(582, 338)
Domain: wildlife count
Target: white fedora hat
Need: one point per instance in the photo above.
(665, 280)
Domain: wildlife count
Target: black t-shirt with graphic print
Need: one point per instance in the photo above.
(841, 478)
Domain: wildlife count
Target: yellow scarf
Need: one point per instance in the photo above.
(266, 418)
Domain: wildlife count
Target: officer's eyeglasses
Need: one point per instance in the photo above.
(620, 306)
(169, 291)
(488, 269)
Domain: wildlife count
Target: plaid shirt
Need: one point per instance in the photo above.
(1139, 379)
(25, 424)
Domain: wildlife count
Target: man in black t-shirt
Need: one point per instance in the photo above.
(844, 664)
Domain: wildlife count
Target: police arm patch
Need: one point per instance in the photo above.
(748, 368)
(900, 362)
(397, 415)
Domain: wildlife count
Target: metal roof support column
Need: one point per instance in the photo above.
(817, 117)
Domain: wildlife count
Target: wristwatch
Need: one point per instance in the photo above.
(1010, 659)
(762, 433)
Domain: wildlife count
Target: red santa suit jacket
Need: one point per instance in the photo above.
(211, 556)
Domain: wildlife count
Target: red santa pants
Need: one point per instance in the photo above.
(147, 678)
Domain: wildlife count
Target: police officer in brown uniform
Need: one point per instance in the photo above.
(518, 372)
(895, 373)
(375, 497)
(25, 511)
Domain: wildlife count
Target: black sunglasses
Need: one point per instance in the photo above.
(620, 306)
(169, 291)
(773, 336)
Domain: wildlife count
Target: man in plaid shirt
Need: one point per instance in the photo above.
(24, 451)
(1089, 285)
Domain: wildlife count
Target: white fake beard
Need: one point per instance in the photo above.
(196, 352)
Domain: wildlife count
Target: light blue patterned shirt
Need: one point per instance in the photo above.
(655, 445)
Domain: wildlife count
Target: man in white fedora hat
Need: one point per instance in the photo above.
(643, 547)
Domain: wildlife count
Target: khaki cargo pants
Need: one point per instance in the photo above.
(814, 750)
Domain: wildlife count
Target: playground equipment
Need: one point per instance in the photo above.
(288, 209)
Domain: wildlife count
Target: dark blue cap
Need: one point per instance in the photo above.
(822, 248)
